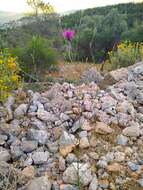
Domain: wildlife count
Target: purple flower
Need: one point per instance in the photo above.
(69, 34)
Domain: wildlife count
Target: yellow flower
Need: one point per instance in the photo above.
(11, 59)
(1, 61)
(11, 65)
(15, 78)
(1, 81)
(9, 78)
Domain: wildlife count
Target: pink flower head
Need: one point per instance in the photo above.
(69, 34)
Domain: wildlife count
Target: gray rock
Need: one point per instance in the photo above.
(103, 128)
(3, 139)
(35, 96)
(108, 105)
(94, 155)
(64, 117)
(132, 131)
(41, 183)
(78, 124)
(102, 163)
(109, 157)
(91, 75)
(123, 119)
(4, 155)
(53, 147)
(126, 107)
(39, 105)
(103, 117)
(70, 93)
(14, 128)
(114, 76)
(55, 186)
(38, 124)
(40, 157)
(94, 183)
(67, 143)
(54, 91)
(10, 102)
(75, 170)
(62, 164)
(20, 111)
(29, 146)
(135, 72)
(140, 117)
(71, 158)
(46, 116)
(140, 181)
(32, 108)
(140, 97)
(9, 106)
(122, 140)
(84, 143)
(133, 166)
(28, 161)
(83, 134)
(41, 136)
(67, 139)
(130, 89)
(119, 156)
(16, 152)
(70, 187)
(114, 93)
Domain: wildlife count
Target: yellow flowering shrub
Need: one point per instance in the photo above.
(127, 53)
(9, 74)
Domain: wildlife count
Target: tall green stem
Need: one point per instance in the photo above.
(69, 51)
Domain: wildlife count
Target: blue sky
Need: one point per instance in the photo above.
(60, 5)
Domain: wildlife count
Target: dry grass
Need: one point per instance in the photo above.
(73, 71)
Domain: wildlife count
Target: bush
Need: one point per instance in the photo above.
(9, 74)
(37, 57)
(127, 54)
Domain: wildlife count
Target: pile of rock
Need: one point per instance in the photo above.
(76, 137)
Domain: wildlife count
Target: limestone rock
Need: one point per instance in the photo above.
(84, 143)
(20, 111)
(40, 157)
(115, 167)
(132, 131)
(94, 183)
(29, 172)
(41, 136)
(4, 155)
(91, 75)
(103, 129)
(114, 76)
(76, 169)
(67, 143)
(68, 187)
(29, 146)
(41, 183)
(46, 116)
(122, 140)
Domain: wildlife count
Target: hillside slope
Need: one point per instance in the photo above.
(6, 17)
(100, 29)
(75, 137)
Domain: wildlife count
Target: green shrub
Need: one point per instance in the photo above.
(37, 57)
(127, 54)
(9, 74)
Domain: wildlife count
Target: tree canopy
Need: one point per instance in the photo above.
(99, 30)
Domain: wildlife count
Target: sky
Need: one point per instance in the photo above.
(60, 5)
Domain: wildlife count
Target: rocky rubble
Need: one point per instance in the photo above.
(76, 137)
